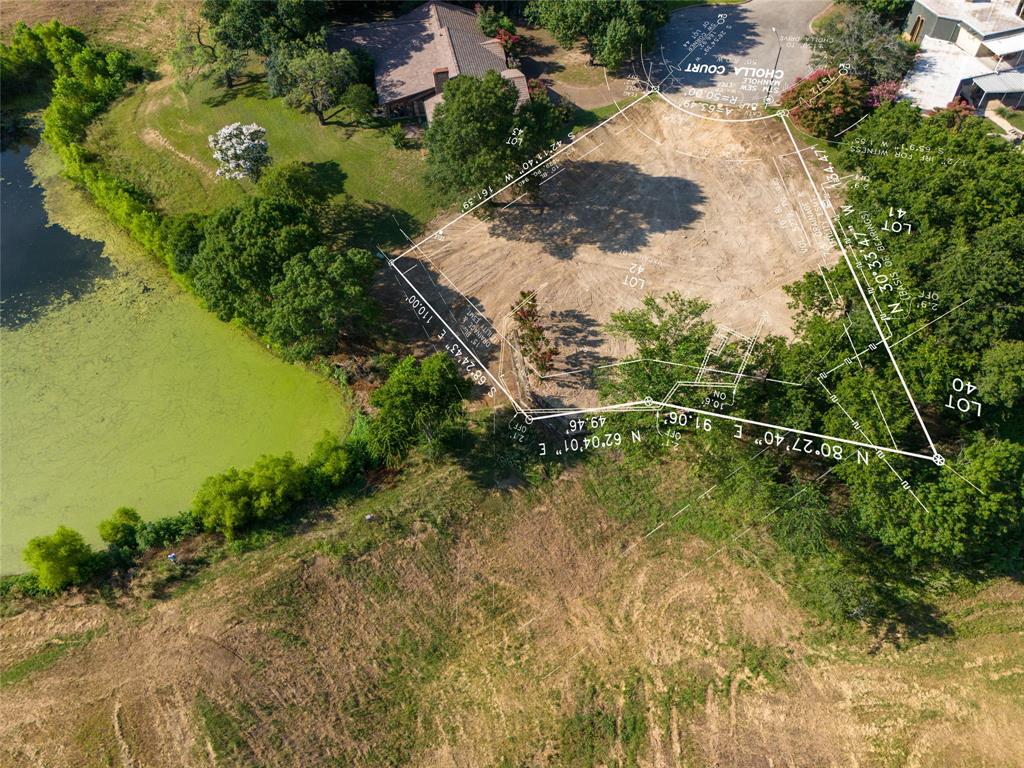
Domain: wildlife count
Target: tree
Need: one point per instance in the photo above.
(360, 100)
(121, 529)
(670, 329)
(246, 25)
(417, 399)
(332, 465)
(616, 43)
(244, 252)
(863, 44)
(467, 141)
(1002, 373)
(58, 560)
(241, 150)
(492, 21)
(182, 236)
(24, 61)
(239, 499)
(825, 102)
(319, 293)
(611, 29)
(317, 78)
(302, 184)
(892, 10)
(192, 57)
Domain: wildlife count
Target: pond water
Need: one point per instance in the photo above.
(116, 388)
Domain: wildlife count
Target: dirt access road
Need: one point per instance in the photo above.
(656, 200)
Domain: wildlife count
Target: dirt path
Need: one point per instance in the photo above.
(157, 140)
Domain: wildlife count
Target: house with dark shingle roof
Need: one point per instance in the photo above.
(416, 54)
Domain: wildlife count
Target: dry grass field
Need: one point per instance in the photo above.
(536, 636)
(145, 25)
(656, 200)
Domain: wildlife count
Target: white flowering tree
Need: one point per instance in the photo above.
(241, 151)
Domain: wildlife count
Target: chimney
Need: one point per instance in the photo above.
(440, 78)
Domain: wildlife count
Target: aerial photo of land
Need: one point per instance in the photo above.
(511, 383)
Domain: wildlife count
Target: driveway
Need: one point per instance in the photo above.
(729, 53)
(710, 52)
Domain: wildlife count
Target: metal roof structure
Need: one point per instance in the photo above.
(1001, 46)
(1010, 81)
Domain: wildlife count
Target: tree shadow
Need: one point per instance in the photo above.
(370, 225)
(253, 86)
(327, 176)
(578, 331)
(502, 452)
(678, 61)
(612, 205)
(533, 61)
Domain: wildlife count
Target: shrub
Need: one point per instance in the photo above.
(360, 100)
(955, 113)
(58, 560)
(883, 93)
(20, 585)
(533, 339)
(396, 132)
(825, 102)
(121, 530)
(333, 465)
(237, 499)
(168, 531)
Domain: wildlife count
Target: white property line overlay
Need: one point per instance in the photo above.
(657, 405)
(533, 169)
(863, 294)
(650, 404)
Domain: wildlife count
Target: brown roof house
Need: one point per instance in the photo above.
(416, 54)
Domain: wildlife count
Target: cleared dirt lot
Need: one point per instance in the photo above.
(657, 200)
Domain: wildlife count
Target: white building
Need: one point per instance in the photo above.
(973, 49)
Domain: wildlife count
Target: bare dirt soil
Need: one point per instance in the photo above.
(657, 200)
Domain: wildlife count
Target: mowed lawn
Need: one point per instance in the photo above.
(157, 138)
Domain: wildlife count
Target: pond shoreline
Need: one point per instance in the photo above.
(132, 393)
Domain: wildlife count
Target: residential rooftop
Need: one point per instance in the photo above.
(985, 17)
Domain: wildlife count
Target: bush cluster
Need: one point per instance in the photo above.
(826, 102)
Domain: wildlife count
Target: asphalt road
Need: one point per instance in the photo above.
(730, 53)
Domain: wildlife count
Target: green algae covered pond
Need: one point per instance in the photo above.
(117, 387)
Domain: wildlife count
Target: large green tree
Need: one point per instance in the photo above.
(243, 253)
(194, 56)
(315, 80)
(611, 30)
(262, 25)
(467, 141)
(478, 138)
(864, 44)
(319, 294)
(238, 499)
(890, 10)
(121, 529)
